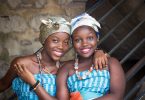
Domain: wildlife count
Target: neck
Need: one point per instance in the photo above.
(46, 59)
(88, 59)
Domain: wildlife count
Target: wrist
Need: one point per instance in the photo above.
(32, 82)
(35, 85)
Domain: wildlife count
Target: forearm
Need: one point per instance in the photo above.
(2, 86)
(6, 81)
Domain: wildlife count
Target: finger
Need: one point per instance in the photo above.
(103, 62)
(20, 68)
(17, 69)
(23, 67)
(100, 64)
(106, 61)
(96, 64)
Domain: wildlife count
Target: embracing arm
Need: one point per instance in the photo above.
(28, 77)
(117, 81)
(6, 81)
(62, 90)
(100, 59)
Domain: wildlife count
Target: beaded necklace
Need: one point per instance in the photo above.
(76, 67)
(41, 68)
(38, 55)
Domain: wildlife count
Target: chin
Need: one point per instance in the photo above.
(87, 55)
(56, 58)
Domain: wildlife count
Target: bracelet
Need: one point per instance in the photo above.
(34, 87)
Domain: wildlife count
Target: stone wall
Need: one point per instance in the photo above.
(19, 26)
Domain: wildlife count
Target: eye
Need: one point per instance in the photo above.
(66, 42)
(90, 38)
(78, 40)
(55, 40)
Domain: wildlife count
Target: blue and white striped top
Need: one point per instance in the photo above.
(96, 82)
(21, 88)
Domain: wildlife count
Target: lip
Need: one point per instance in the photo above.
(58, 53)
(86, 50)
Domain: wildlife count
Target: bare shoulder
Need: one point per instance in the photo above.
(115, 65)
(22, 60)
(113, 60)
(67, 65)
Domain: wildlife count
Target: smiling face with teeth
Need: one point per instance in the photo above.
(56, 45)
(84, 41)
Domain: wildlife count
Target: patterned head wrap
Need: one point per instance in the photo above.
(53, 25)
(86, 20)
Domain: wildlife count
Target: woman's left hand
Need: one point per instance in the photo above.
(25, 74)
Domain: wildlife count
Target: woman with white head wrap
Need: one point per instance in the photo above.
(78, 80)
(87, 20)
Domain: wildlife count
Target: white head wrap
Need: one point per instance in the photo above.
(84, 19)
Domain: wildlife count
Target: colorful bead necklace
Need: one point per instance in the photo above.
(76, 67)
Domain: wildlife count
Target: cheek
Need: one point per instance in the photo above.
(66, 47)
(76, 46)
(94, 44)
(49, 45)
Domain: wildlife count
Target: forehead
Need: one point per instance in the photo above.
(59, 35)
(82, 30)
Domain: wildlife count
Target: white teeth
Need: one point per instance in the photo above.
(85, 50)
(57, 53)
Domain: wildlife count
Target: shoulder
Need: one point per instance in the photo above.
(114, 65)
(113, 60)
(67, 65)
(22, 60)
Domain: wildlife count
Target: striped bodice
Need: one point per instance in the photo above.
(21, 88)
(96, 81)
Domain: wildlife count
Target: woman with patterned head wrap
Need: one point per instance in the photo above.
(37, 72)
(78, 80)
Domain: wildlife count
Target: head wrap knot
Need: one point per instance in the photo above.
(87, 20)
(53, 25)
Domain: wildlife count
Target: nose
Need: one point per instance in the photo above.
(60, 45)
(84, 43)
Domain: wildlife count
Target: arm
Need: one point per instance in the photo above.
(28, 77)
(62, 90)
(117, 81)
(100, 59)
(6, 81)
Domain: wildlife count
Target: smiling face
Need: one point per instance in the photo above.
(84, 41)
(57, 45)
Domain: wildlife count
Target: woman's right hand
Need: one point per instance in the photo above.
(24, 73)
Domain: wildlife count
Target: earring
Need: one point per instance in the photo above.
(76, 61)
(98, 37)
(58, 64)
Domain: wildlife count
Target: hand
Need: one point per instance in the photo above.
(25, 74)
(100, 59)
